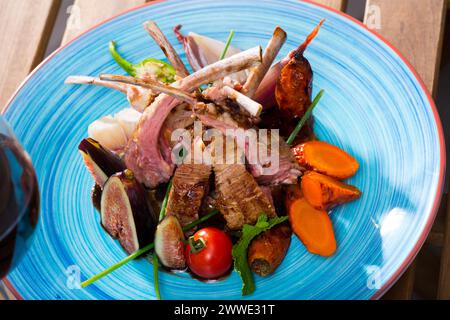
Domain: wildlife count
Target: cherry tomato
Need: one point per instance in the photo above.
(214, 259)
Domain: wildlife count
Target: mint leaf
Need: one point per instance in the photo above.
(240, 249)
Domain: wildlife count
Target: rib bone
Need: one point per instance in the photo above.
(218, 94)
(96, 82)
(159, 37)
(252, 107)
(220, 69)
(152, 85)
(138, 97)
(271, 52)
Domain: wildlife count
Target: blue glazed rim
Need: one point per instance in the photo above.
(437, 199)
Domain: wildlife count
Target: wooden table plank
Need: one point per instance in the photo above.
(444, 282)
(444, 276)
(86, 13)
(25, 29)
(427, 273)
(437, 233)
(336, 4)
(415, 27)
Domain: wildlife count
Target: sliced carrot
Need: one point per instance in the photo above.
(326, 158)
(324, 192)
(313, 227)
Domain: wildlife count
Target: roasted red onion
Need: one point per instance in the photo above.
(100, 162)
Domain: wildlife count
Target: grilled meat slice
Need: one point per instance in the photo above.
(240, 199)
(189, 187)
(180, 117)
(286, 171)
(268, 192)
(266, 172)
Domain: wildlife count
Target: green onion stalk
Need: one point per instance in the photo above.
(305, 118)
(227, 45)
(162, 214)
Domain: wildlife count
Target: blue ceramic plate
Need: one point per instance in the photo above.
(375, 107)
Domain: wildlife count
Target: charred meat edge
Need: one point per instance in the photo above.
(190, 185)
(240, 199)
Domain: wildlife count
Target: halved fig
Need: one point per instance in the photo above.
(125, 212)
(169, 244)
(100, 162)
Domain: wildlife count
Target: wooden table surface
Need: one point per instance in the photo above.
(415, 27)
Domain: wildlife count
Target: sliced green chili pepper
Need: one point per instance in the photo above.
(163, 71)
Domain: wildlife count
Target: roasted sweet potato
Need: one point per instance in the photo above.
(267, 251)
(325, 158)
(324, 192)
(312, 226)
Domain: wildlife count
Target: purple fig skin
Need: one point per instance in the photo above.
(100, 162)
(145, 217)
(126, 214)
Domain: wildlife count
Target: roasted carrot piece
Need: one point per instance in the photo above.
(267, 251)
(327, 159)
(324, 192)
(313, 227)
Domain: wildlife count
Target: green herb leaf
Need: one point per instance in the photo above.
(305, 118)
(240, 249)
